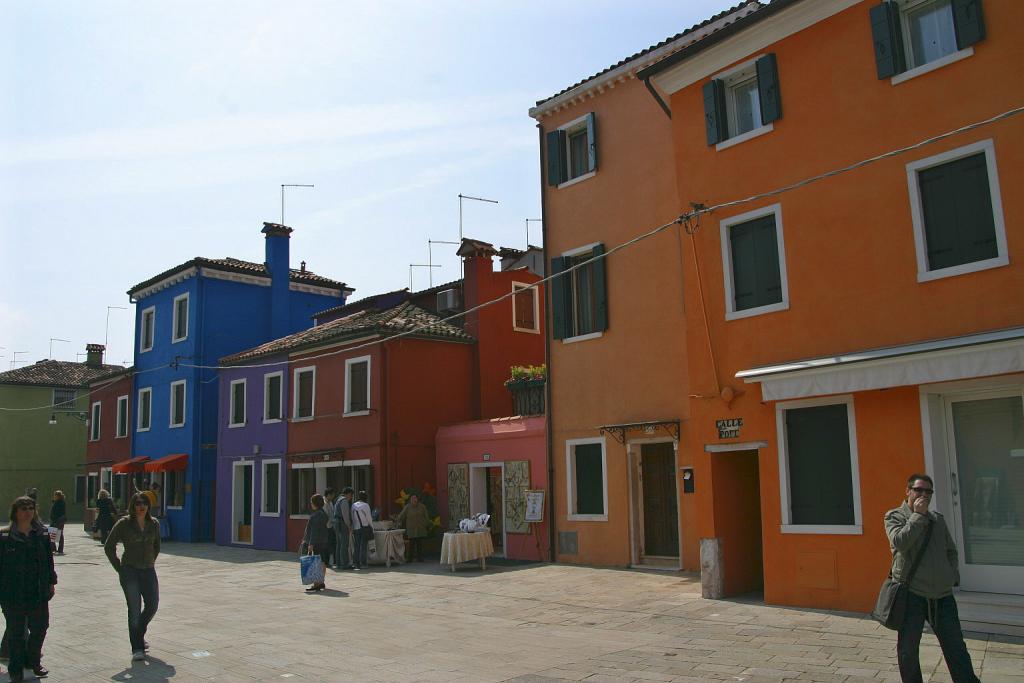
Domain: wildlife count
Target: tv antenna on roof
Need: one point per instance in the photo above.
(528, 221)
(420, 265)
(53, 339)
(475, 199)
(430, 256)
(284, 185)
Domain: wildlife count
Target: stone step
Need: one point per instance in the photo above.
(991, 612)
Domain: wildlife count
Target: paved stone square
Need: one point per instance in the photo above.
(237, 615)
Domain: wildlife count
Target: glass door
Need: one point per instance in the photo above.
(986, 440)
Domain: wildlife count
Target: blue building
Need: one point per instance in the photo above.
(187, 318)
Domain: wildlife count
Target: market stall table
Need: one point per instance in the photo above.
(390, 547)
(459, 547)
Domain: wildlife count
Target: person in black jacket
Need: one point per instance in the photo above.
(27, 582)
(315, 538)
(106, 514)
(58, 516)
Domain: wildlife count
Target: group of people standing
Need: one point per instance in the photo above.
(28, 577)
(340, 529)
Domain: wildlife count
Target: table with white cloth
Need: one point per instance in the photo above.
(390, 547)
(459, 547)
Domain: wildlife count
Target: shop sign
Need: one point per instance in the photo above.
(729, 429)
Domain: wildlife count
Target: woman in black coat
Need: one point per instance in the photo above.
(106, 514)
(27, 582)
(58, 516)
(316, 540)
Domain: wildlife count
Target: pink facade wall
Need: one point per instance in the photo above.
(508, 438)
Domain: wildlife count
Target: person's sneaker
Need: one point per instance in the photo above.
(145, 646)
(138, 656)
(40, 671)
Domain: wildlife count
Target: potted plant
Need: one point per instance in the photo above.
(526, 382)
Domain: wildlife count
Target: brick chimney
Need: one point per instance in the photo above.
(278, 237)
(94, 355)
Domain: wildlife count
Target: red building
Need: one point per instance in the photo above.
(109, 438)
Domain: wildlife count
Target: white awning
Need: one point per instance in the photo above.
(942, 360)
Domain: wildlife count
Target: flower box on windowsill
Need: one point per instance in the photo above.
(527, 396)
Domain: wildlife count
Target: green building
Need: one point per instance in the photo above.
(44, 411)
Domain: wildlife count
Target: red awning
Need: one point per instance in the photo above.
(129, 466)
(169, 463)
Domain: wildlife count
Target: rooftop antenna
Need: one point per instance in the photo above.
(284, 185)
(53, 339)
(475, 199)
(528, 221)
(106, 334)
(14, 358)
(430, 256)
(419, 265)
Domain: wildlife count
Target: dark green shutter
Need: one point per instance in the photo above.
(969, 22)
(956, 207)
(589, 479)
(556, 157)
(558, 288)
(714, 112)
(600, 290)
(591, 143)
(768, 89)
(766, 254)
(818, 459)
(756, 273)
(885, 30)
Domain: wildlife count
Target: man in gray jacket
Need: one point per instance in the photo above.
(343, 528)
(931, 588)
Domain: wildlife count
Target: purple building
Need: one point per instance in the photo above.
(252, 440)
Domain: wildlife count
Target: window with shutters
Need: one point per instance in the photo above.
(525, 308)
(144, 410)
(754, 263)
(237, 409)
(270, 500)
(579, 296)
(572, 151)
(122, 417)
(147, 326)
(357, 386)
(587, 479)
(818, 466)
(178, 403)
(913, 37)
(742, 103)
(94, 422)
(272, 396)
(303, 402)
(957, 212)
(64, 398)
(179, 326)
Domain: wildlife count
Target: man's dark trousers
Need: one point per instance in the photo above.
(945, 622)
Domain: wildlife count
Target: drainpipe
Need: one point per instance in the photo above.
(197, 422)
(385, 441)
(657, 97)
(547, 350)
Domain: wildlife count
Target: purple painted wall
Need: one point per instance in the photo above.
(254, 442)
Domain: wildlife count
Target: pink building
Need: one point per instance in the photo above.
(487, 466)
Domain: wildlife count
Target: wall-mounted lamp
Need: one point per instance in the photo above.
(80, 414)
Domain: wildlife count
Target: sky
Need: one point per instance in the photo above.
(136, 136)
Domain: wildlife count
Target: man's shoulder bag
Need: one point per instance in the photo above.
(891, 607)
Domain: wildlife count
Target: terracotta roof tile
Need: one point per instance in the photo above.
(401, 318)
(57, 373)
(235, 265)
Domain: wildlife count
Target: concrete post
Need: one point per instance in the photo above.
(712, 569)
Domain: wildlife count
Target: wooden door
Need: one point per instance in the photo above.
(660, 510)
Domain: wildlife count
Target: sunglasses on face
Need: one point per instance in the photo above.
(923, 491)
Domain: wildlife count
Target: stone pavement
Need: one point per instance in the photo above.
(236, 615)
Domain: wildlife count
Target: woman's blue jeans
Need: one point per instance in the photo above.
(139, 586)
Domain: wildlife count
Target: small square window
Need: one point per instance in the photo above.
(572, 150)
(525, 302)
(928, 31)
(742, 103)
(64, 399)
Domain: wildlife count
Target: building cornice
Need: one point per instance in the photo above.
(168, 281)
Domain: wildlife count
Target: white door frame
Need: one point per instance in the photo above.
(634, 454)
(235, 466)
(504, 529)
(939, 452)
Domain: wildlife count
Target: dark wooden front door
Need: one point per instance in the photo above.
(661, 516)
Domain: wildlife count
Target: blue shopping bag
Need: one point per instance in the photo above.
(312, 569)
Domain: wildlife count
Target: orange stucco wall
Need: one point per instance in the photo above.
(637, 370)
(852, 272)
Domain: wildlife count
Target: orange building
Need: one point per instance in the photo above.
(842, 334)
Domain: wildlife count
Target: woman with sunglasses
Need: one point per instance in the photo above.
(27, 582)
(139, 532)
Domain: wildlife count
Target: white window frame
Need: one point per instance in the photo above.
(295, 394)
(349, 362)
(231, 404)
(163, 488)
(106, 481)
(589, 335)
(149, 312)
(787, 527)
(727, 272)
(570, 128)
(316, 478)
(138, 412)
(95, 413)
(122, 425)
(263, 487)
(518, 287)
(917, 211)
(570, 479)
(174, 318)
(280, 398)
(184, 404)
(730, 79)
